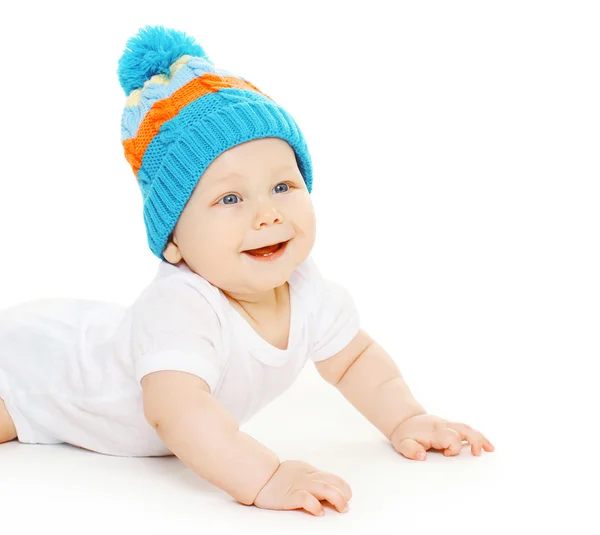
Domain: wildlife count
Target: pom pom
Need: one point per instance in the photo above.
(152, 51)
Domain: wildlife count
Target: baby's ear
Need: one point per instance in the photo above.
(172, 253)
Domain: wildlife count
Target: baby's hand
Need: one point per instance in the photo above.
(298, 485)
(419, 433)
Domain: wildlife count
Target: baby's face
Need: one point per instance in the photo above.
(251, 196)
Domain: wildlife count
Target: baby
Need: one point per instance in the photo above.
(235, 311)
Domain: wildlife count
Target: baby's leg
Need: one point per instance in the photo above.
(8, 431)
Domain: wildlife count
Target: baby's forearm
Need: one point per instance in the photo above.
(206, 438)
(374, 385)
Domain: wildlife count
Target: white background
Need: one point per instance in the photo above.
(455, 149)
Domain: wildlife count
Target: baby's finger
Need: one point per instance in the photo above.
(336, 481)
(412, 449)
(447, 439)
(302, 499)
(469, 434)
(478, 442)
(326, 491)
(487, 445)
(473, 437)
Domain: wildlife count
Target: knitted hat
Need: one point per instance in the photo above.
(181, 113)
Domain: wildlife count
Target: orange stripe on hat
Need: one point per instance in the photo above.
(165, 109)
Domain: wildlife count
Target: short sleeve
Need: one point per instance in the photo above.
(335, 318)
(174, 327)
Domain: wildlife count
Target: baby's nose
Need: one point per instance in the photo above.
(269, 216)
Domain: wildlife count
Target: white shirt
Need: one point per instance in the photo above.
(70, 370)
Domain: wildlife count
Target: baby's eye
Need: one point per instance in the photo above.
(287, 187)
(230, 198)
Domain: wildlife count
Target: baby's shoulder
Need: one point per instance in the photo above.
(321, 291)
(180, 292)
(312, 278)
(308, 275)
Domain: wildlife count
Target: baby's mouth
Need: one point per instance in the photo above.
(266, 251)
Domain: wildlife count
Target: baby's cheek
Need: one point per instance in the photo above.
(310, 223)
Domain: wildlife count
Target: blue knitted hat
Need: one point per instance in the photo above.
(181, 113)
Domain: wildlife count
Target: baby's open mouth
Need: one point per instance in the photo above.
(266, 251)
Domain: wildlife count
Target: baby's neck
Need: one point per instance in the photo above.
(262, 307)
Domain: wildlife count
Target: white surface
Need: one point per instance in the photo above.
(531, 483)
(455, 147)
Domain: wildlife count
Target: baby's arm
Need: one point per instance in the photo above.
(370, 380)
(205, 436)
